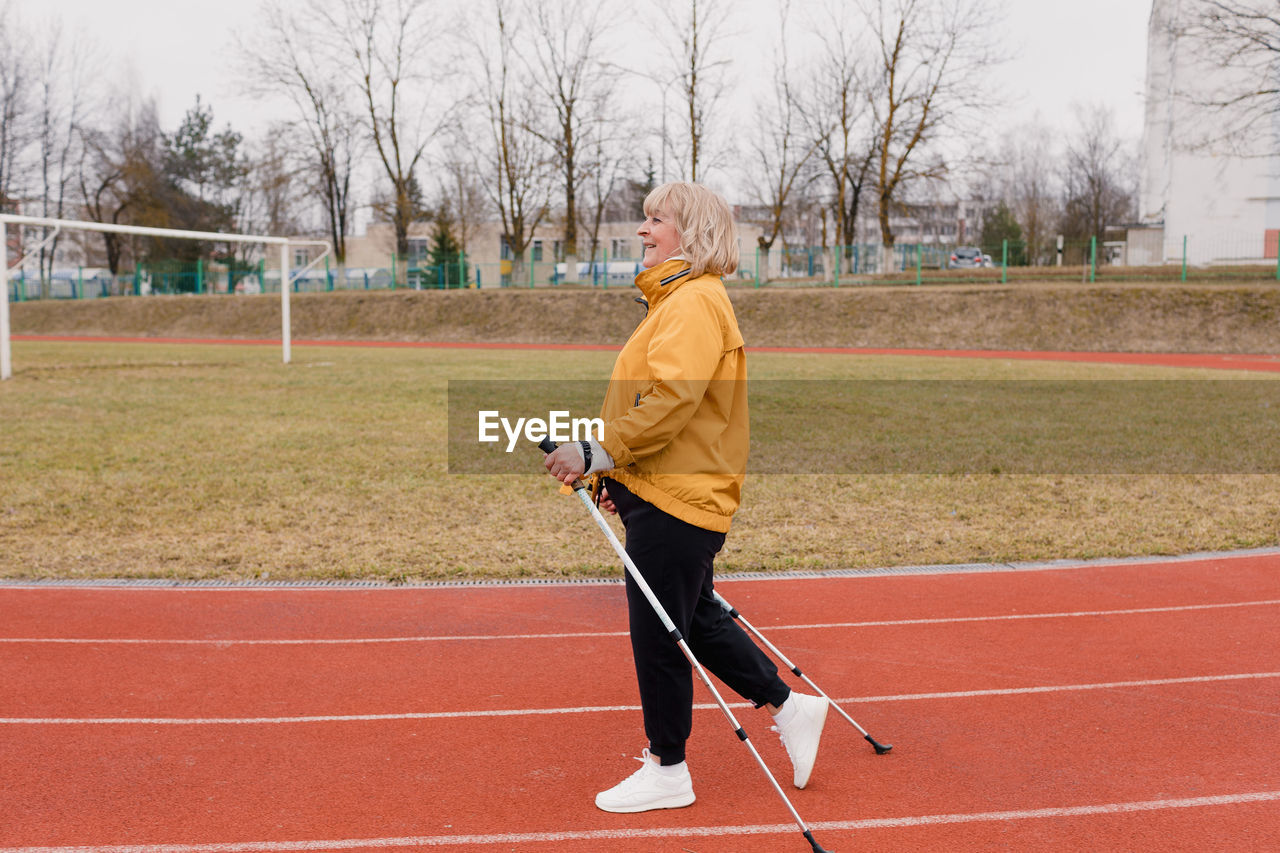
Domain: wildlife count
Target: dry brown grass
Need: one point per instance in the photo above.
(218, 462)
(1240, 317)
(860, 522)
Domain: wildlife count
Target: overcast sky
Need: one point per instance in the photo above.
(1087, 51)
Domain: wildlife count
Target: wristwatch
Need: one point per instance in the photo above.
(586, 456)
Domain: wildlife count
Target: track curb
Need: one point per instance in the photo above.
(728, 577)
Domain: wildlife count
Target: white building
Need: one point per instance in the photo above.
(1195, 184)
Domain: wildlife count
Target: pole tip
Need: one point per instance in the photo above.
(817, 848)
(881, 748)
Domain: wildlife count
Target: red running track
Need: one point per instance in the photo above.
(1101, 707)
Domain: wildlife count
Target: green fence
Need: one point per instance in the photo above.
(1184, 258)
(1153, 258)
(144, 279)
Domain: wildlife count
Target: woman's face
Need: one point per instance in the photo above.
(660, 238)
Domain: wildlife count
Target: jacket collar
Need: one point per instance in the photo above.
(658, 281)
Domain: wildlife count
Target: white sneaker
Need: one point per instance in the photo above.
(799, 724)
(650, 787)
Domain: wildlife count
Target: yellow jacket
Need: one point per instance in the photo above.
(675, 414)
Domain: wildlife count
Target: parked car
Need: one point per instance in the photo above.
(965, 257)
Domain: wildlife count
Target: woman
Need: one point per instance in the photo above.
(672, 457)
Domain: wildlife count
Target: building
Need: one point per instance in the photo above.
(941, 221)
(489, 255)
(1200, 193)
(805, 246)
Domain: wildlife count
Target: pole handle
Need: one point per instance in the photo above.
(546, 446)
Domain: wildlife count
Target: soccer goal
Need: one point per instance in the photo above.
(58, 225)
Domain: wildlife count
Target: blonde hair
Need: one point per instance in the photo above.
(708, 239)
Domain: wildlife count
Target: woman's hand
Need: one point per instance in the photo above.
(565, 463)
(605, 503)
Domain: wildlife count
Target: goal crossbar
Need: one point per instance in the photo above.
(7, 219)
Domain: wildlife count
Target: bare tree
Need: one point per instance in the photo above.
(63, 91)
(838, 118)
(608, 160)
(1029, 188)
(16, 133)
(519, 183)
(461, 191)
(120, 175)
(1242, 37)
(100, 178)
(780, 150)
(275, 183)
(696, 45)
(564, 59)
(286, 55)
(1098, 189)
(386, 43)
(930, 58)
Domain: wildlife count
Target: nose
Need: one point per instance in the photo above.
(643, 229)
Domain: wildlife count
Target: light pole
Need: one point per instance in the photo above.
(665, 143)
(664, 134)
(664, 84)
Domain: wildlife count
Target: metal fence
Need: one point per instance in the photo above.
(1149, 258)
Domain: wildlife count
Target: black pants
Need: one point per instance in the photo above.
(675, 559)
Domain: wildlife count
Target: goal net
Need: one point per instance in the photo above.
(53, 227)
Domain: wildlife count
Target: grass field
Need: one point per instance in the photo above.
(208, 461)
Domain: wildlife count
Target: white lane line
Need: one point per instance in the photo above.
(1011, 617)
(952, 620)
(671, 832)
(1063, 688)
(595, 709)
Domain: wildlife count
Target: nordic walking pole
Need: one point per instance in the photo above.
(580, 489)
(881, 748)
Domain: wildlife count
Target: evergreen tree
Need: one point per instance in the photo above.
(199, 186)
(650, 182)
(1000, 225)
(445, 253)
(628, 203)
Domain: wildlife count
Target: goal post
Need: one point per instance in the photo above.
(58, 225)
